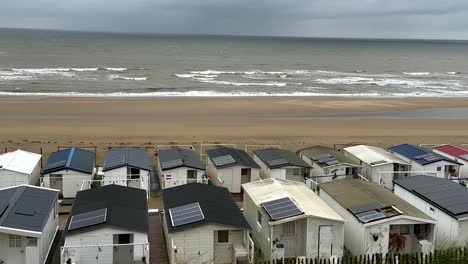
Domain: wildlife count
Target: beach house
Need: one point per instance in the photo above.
(378, 165)
(377, 220)
(289, 220)
(444, 200)
(107, 225)
(19, 167)
(328, 164)
(424, 161)
(203, 224)
(456, 153)
(28, 224)
(281, 164)
(127, 167)
(230, 167)
(178, 166)
(67, 169)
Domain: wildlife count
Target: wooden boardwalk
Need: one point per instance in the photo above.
(158, 250)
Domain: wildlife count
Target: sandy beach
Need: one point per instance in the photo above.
(31, 123)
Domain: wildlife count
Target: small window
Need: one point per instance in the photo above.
(191, 174)
(296, 171)
(432, 209)
(223, 236)
(15, 241)
(259, 218)
(134, 173)
(244, 172)
(439, 168)
(404, 229)
(124, 239)
(56, 176)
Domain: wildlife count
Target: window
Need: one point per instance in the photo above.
(223, 236)
(404, 229)
(289, 229)
(244, 172)
(191, 174)
(296, 171)
(124, 239)
(134, 173)
(57, 176)
(259, 218)
(15, 241)
(439, 168)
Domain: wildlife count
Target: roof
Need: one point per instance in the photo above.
(420, 155)
(448, 196)
(273, 189)
(373, 156)
(455, 151)
(179, 157)
(127, 156)
(316, 151)
(127, 208)
(19, 161)
(74, 159)
(240, 157)
(350, 193)
(26, 207)
(216, 203)
(284, 157)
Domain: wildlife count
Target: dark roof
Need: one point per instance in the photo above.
(273, 154)
(127, 156)
(74, 159)
(186, 158)
(316, 151)
(26, 207)
(216, 203)
(449, 196)
(416, 154)
(127, 208)
(241, 157)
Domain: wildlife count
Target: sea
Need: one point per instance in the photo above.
(59, 63)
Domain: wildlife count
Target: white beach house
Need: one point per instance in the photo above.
(289, 220)
(178, 166)
(19, 167)
(281, 164)
(376, 219)
(456, 153)
(378, 165)
(427, 162)
(444, 200)
(203, 224)
(28, 224)
(67, 169)
(229, 167)
(127, 167)
(107, 225)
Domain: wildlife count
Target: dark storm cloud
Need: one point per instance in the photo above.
(329, 18)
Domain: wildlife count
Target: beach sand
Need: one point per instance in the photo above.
(32, 123)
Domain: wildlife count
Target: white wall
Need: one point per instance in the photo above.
(236, 175)
(119, 176)
(430, 168)
(12, 178)
(71, 180)
(463, 169)
(179, 177)
(103, 236)
(284, 173)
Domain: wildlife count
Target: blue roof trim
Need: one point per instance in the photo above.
(70, 156)
(412, 152)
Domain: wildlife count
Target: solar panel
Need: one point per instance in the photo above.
(186, 214)
(277, 162)
(281, 208)
(333, 162)
(325, 160)
(370, 216)
(224, 160)
(55, 165)
(172, 163)
(319, 157)
(431, 158)
(365, 207)
(88, 219)
(423, 156)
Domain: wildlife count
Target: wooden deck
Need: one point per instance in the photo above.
(158, 250)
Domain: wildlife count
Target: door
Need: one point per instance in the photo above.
(134, 178)
(222, 249)
(289, 238)
(325, 241)
(15, 250)
(245, 175)
(227, 179)
(123, 253)
(56, 182)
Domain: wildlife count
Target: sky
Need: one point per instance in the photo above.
(428, 19)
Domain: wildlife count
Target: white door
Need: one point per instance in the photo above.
(325, 241)
(222, 249)
(289, 238)
(15, 250)
(227, 179)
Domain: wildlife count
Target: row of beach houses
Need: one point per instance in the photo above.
(315, 202)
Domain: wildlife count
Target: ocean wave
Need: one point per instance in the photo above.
(417, 73)
(84, 69)
(43, 71)
(119, 77)
(271, 83)
(443, 84)
(452, 73)
(115, 69)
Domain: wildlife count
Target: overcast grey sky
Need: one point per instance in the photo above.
(438, 19)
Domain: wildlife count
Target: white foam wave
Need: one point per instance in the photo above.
(417, 73)
(116, 69)
(452, 73)
(16, 78)
(84, 69)
(278, 84)
(119, 77)
(44, 71)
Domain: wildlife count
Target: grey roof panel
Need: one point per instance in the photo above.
(270, 154)
(75, 159)
(188, 157)
(316, 153)
(241, 157)
(127, 156)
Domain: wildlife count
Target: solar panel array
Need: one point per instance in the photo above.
(172, 163)
(452, 199)
(369, 216)
(224, 160)
(186, 214)
(319, 157)
(55, 165)
(277, 162)
(281, 208)
(427, 157)
(88, 219)
(326, 159)
(365, 207)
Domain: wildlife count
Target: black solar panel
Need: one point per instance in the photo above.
(186, 214)
(423, 156)
(88, 219)
(55, 165)
(281, 208)
(319, 157)
(370, 216)
(277, 162)
(172, 163)
(224, 160)
(365, 207)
